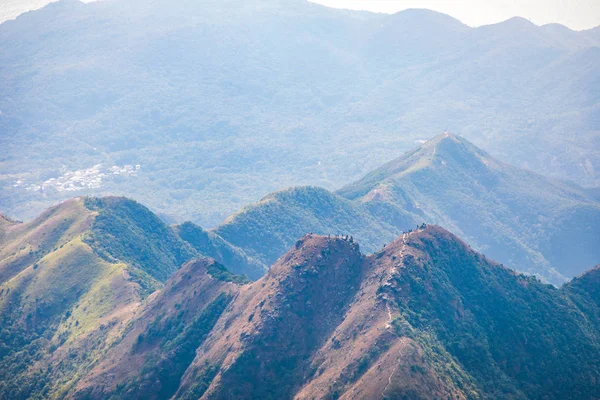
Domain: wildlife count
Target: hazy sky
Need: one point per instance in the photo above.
(10, 9)
(576, 14)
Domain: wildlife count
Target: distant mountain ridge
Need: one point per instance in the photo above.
(157, 92)
(505, 211)
(198, 107)
(266, 229)
(526, 221)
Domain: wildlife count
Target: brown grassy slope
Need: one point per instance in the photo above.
(366, 357)
(315, 327)
(190, 290)
(262, 345)
(425, 317)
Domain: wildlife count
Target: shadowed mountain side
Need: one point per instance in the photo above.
(212, 245)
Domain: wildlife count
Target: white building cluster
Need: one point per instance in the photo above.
(89, 178)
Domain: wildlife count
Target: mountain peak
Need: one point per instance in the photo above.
(589, 279)
(444, 145)
(556, 26)
(442, 151)
(511, 25)
(520, 21)
(421, 18)
(311, 252)
(447, 146)
(444, 137)
(425, 13)
(422, 240)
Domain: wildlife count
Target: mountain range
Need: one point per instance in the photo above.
(524, 220)
(533, 224)
(93, 306)
(95, 302)
(220, 103)
(247, 199)
(426, 317)
(99, 298)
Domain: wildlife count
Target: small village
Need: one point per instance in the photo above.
(89, 178)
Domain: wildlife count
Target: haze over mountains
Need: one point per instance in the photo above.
(526, 221)
(337, 246)
(221, 105)
(530, 223)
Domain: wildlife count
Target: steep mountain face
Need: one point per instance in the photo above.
(425, 317)
(93, 305)
(70, 281)
(524, 220)
(533, 224)
(174, 75)
(127, 231)
(501, 327)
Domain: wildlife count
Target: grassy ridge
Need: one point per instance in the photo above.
(73, 278)
(268, 228)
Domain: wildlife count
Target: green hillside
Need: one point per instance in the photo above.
(70, 281)
(528, 222)
(268, 228)
(536, 225)
(127, 231)
(212, 245)
(515, 336)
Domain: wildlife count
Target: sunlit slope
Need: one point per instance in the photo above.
(526, 221)
(71, 280)
(268, 228)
